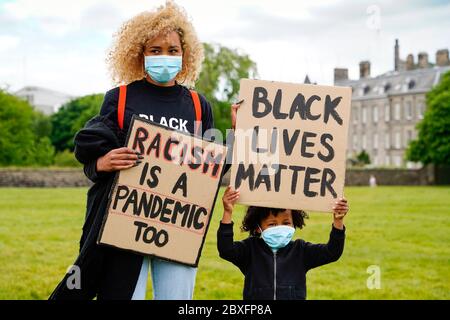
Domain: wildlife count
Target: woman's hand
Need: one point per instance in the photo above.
(119, 159)
(234, 109)
(229, 199)
(340, 209)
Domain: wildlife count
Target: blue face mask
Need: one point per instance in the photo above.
(163, 69)
(278, 237)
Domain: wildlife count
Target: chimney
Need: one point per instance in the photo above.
(442, 57)
(410, 62)
(396, 55)
(423, 60)
(364, 69)
(340, 74)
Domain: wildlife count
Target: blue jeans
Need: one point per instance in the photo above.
(171, 281)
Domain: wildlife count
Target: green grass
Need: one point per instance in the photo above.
(403, 230)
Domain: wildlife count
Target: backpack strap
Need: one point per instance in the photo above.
(121, 108)
(198, 112)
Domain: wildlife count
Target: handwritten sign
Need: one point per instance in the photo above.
(163, 206)
(290, 144)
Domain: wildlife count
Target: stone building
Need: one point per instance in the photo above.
(42, 99)
(386, 108)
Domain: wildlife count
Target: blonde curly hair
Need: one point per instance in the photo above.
(126, 57)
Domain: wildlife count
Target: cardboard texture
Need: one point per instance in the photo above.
(290, 145)
(163, 206)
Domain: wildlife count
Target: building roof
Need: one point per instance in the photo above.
(395, 83)
(36, 89)
(45, 100)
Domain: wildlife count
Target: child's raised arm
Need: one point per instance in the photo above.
(340, 209)
(229, 199)
(237, 252)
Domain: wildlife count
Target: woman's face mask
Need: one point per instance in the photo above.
(161, 68)
(278, 237)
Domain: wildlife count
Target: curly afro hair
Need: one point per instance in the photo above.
(255, 215)
(126, 56)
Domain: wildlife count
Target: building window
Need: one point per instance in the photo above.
(355, 142)
(408, 110)
(387, 160)
(420, 110)
(364, 142)
(375, 141)
(387, 113)
(364, 114)
(355, 115)
(387, 141)
(375, 114)
(398, 161)
(398, 142)
(366, 90)
(409, 137)
(30, 98)
(397, 111)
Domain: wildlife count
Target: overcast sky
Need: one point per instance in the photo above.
(62, 45)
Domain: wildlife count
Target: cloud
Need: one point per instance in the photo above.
(8, 42)
(62, 44)
(260, 24)
(102, 18)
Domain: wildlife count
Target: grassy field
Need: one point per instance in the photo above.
(403, 230)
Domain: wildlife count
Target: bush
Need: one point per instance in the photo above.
(66, 158)
(23, 134)
(71, 117)
(433, 142)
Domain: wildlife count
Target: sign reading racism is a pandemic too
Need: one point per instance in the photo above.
(290, 145)
(163, 206)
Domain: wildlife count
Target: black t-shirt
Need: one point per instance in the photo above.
(169, 106)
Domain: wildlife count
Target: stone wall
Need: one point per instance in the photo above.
(389, 177)
(354, 177)
(43, 178)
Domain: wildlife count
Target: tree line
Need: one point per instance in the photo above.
(30, 138)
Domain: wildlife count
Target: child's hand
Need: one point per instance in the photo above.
(340, 209)
(229, 199)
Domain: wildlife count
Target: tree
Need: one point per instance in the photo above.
(219, 80)
(433, 143)
(363, 158)
(71, 117)
(23, 133)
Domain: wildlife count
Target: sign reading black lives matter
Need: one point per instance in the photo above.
(163, 206)
(290, 145)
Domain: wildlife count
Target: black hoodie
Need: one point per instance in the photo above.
(280, 275)
(108, 273)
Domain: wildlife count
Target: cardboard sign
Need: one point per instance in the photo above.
(163, 206)
(290, 145)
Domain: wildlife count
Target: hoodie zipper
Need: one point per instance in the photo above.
(274, 276)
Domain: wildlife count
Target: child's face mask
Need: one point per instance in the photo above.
(278, 237)
(163, 69)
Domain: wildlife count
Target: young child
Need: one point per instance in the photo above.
(274, 266)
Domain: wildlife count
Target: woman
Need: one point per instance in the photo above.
(154, 54)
